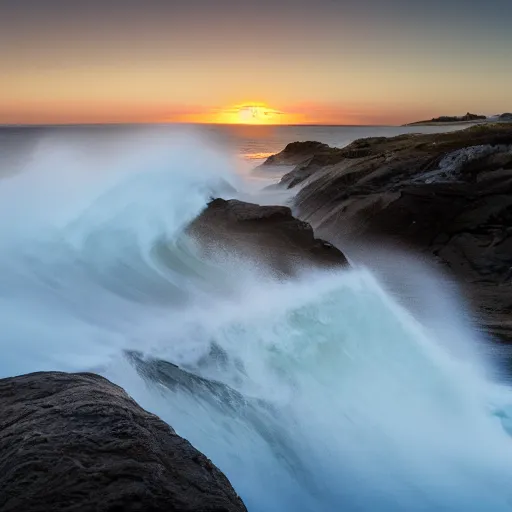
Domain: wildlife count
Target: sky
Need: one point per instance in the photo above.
(268, 61)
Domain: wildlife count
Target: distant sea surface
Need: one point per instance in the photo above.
(259, 142)
(253, 143)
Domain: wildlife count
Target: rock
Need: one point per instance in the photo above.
(321, 158)
(268, 234)
(296, 153)
(506, 117)
(473, 117)
(448, 195)
(255, 413)
(77, 442)
(452, 119)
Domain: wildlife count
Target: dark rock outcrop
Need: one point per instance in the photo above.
(473, 117)
(453, 119)
(76, 442)
(296, 153)
(326, 157)
(507, 116)
(448, 195)
(268, 234)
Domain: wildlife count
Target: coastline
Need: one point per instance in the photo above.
(443, 195)
(450, 123)
(404, 190)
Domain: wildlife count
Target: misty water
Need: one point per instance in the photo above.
(328, 392)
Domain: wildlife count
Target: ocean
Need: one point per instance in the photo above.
(326, 393)
(251, 142)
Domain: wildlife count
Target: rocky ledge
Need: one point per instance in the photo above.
(448, 195)
(263, 234)
(296, 153)
(76, 442)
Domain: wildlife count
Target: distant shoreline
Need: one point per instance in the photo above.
(450, 123)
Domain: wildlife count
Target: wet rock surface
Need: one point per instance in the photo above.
(263, 234)
(448, 195)
(77, 442)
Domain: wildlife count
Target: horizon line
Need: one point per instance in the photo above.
(177, 123)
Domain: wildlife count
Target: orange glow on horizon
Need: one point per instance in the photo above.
(249, 113)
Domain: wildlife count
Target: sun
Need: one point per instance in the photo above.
(256, 114)
(249, 113)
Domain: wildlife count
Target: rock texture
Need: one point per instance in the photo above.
(309, 157)
(449, 195)
(76, 442)
(296, 153)
(268, 234)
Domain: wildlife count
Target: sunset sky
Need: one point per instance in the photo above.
(279, 61)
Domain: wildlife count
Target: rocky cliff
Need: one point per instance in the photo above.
(76, 442)
(448, 195)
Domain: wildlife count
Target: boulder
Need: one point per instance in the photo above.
(296, 153)
(77, 442)
(263, 234)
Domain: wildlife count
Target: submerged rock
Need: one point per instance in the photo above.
(255, 413)
(263, 234)
(77, 442)
(448, 194)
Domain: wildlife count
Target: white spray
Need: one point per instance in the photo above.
(320, 394)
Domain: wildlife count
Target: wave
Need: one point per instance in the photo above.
(323, 393)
